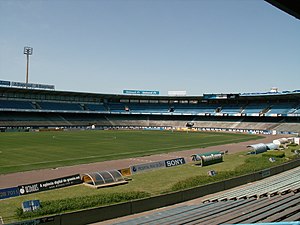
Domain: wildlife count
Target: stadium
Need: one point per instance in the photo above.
(141, 158)
(50, 114)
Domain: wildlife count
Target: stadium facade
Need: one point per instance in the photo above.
(22, 108)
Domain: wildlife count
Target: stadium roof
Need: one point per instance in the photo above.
(291, 7)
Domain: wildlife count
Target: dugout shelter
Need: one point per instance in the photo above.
(103, 179)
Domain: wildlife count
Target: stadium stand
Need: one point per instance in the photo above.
(293, 127)
(57, 106)
(297, 110)
(248, 112)
(148, 108)
(117, 107)
(283, 108)
(96, 107)
(255, 108)
(231, 109)
(196, 108)
(288, 181)
(9, 104)
(272, 199)
(274, 209)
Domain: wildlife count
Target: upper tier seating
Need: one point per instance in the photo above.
(255, 108)
(281, 108)
(59, 106)
(195, 108)
(96, 107)
(12, 104)
(200, 109)
(117, 107)
(148, 108)
(231, 109)
(297, 109)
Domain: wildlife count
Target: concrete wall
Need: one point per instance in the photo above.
(93, 215)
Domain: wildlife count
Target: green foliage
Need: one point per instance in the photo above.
(201, 180)
(294, 150)
(276, 154)
(252, 164)
(292, 145)
(77, 203)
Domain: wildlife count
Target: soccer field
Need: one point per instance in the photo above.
(36, 150)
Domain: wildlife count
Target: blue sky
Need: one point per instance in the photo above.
(106, 46)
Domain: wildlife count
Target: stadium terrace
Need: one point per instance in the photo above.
(22, 108)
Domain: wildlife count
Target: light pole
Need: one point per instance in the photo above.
(27, 51)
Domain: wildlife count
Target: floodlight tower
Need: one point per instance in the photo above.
(27, 51)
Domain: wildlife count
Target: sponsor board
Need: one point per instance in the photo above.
(156, 165)
(140, 92)
(175, 162)
(32, 85)
(28, 85)
(31, 205)
(9, 192)
(4, 83)
(50, 184)
(147, 166)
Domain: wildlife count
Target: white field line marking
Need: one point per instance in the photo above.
(125, 153)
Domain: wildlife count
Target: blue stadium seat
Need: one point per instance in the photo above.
(96, 107)
(281, 108)
(12, 104)
(59, 106)
(195, 108)
(255, 108)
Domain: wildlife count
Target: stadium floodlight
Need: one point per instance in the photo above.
(27, 51)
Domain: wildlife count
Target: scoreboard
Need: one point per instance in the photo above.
(220, 96)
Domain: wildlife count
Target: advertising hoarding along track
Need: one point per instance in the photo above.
(50, 184)
(9, 192)
(157, 165)
(175, 162)
(147, 166)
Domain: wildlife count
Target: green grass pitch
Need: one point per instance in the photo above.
(36, 150)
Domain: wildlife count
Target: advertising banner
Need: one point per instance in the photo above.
(50, 184)
(4, 83)
(175, 162)
(147, 166)
(140, 92)
(9, 192)
(32, 85)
